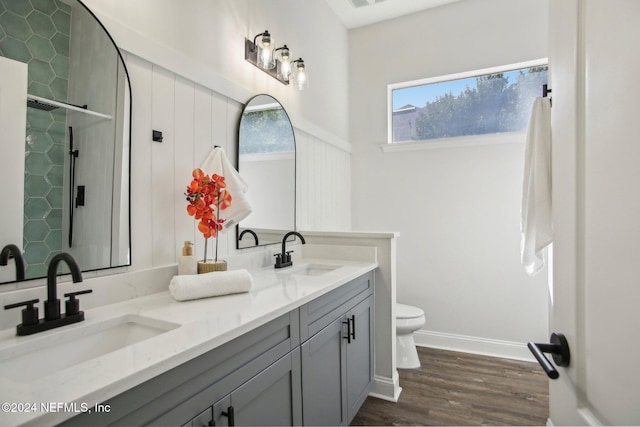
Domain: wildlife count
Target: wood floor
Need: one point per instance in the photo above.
(454, 388)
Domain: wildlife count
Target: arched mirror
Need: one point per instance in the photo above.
(69, 170)
(267, 161)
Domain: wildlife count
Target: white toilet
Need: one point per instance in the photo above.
(408, 320)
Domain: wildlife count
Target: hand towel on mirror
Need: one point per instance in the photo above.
(217, 283)
(218, 163)
(535, 221)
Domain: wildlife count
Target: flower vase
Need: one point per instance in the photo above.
(209, 266)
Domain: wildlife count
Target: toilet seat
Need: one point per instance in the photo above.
(408, 312)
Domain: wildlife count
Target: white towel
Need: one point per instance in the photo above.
(535, 222)
(218, 163)
(195, 286)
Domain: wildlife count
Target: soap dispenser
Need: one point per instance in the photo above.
(187, 263)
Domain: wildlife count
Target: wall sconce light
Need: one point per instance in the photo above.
(284, 69)
(300, 74)
(276, 62)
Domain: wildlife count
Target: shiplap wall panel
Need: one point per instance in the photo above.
(343, 187)
(140, 74)
(323, 198)
(183, 157)
(193, 119)
(202, 123)
(162, 167)
(220, 134)
(304, 187)
(218, 122)
(234, 111)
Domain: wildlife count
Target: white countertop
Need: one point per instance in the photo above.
(202, 326)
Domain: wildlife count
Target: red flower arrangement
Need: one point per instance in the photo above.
(203, 194)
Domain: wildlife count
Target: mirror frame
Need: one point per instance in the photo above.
(295, 172)
(128, 98)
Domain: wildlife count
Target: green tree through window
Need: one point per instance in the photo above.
(266, 131)
(490, 103)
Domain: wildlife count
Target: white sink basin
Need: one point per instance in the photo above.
(39, 356)
(310, 269)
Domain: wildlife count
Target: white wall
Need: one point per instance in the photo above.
(457, 209)
(190, 80)
(212, 33)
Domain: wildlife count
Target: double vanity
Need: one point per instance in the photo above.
(296, 350)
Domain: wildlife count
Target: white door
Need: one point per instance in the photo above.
(13, 119)
(595, 62)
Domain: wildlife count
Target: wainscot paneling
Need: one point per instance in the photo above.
(323, 193)
(184, 146)
(163, 162)
(193, 119)
(141, 218)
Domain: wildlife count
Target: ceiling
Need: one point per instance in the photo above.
(357, 13)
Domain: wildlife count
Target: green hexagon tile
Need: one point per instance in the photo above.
(37, 32)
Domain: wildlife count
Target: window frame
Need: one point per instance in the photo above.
(444, 78)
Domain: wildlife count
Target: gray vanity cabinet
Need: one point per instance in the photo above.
(323, 377)
(266, 376)
(203, 419)
(337, 361)
(360, 357)
(271, 398)
(185, 395)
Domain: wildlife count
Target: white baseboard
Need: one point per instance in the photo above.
(386, 388)
(475, 345)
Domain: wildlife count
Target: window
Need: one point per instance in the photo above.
(266, 129)
(486, 101)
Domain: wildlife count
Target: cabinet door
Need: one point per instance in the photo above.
(201, 420)
(323, 376)
(359, 356)
(271, 398)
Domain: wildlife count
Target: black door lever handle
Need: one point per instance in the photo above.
(559, 349)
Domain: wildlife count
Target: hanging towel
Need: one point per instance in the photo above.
(195, 286)
(535, 222)
(218, 163)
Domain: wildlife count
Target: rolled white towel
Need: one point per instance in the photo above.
(195, 286)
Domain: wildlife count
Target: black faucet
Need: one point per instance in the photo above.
(52, 304)
(31, 324)
(12, 251)
(247, 230)
(284, 259)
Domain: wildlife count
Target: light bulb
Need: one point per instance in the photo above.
(285, 70)
(266, 59)
(301, 75)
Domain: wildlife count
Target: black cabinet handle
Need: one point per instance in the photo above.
(349, 333)
(353, 327)
(558, 348)
(229, 414)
